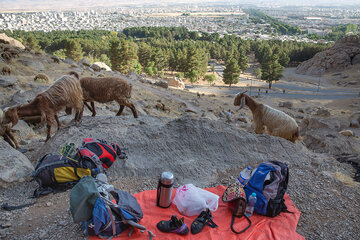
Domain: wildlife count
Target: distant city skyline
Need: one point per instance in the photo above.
(39, 5)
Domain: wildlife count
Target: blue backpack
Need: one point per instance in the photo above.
(269, 182)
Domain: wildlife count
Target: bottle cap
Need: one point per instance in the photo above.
(248, 167)
(253, 194)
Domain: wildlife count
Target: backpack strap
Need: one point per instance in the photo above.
(232, 225)
(111, 219)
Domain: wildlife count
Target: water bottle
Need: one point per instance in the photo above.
(250, 206)
(245, 175)
(164, 189)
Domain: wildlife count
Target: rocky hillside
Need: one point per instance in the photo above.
(186, 134)
(345, 53)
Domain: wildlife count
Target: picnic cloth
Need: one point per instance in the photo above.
(280, 227)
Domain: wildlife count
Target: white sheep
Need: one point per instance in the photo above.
(277, 123)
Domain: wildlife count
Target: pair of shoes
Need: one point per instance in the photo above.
(205, 218)
(174, 225)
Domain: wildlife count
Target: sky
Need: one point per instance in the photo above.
(58, 4)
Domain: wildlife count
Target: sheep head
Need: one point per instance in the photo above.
(74, 74)
(240, 99)
(10, 116)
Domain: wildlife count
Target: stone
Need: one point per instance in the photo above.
(13, 164)
(7, 81)
(102, 66)
(85, 62)
(23, 130)
(162, 84)
(243, 119)
(37, 65)
(322, 112)
(95, 67)
(287, 104)
(69, 61)
(177, 83)
(347, 133)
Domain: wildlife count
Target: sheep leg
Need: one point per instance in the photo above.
(120, 110)
(259, 128)
(57, 121)
(9, 137)
(79, 114)
(49, 123)
(129, 105)
(92, 108)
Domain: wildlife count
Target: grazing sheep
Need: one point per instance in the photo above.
(12, 51)
(106, 90)
(276, 122)
(5, 131)
(41, 76)
(64, 92)
(56, 59)
(6, 70)
(6, 56)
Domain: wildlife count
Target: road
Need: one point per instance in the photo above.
(292, 90)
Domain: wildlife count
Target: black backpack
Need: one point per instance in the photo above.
(269, 181)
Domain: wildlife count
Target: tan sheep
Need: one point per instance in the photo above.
(6, 70)
(64, 92)
(105, 90)
(277, 123)
(41, 76)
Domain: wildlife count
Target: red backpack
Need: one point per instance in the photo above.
(102, 154)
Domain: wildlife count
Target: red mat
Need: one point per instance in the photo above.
(280, 227)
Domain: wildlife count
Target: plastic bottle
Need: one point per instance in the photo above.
(245, 175)
(250, 206)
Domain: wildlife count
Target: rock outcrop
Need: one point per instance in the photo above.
(8, 40)
(14, 166)
(344, 53)
(176, 82)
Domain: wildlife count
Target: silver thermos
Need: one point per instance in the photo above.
(164, 189)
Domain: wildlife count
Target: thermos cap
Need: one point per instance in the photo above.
(167, 178)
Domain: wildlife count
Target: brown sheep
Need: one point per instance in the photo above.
(56, 59)
(41, 76)
(105, 90)
(5, 131)
(6, 70)
(64, 92)
(6, 56)
(12, 51)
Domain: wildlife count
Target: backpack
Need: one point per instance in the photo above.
(91, 206)
(102, 154)
(269, 181)
(55, 173)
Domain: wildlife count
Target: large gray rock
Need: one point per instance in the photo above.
(21, 97)
(103, 66)
(6, 81)
(85, 62)
(23, 130)
(161, 83)
(37, 65)
(14, 165)
(175, 82)
(95, 67)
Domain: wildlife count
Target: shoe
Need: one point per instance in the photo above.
(205, 218)
(174, 225)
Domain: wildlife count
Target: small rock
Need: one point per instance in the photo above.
(6, 225)
(43, 235)
(347, 133)
(322, 112)
(286, 104)
(243, 119)
(162, 84)
(49, 204)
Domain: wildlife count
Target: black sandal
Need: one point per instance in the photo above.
(205, 218)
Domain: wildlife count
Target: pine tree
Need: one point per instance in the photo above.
(114, 53)
(32, 43)
(73, 50)
(144, 54)
(243, 61)
(231, 72)
(271, 69)
(127, 56)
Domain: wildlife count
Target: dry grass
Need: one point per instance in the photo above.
(347, 180)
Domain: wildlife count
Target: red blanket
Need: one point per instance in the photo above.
(282, 226)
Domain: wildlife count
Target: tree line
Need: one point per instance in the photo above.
(153, 50)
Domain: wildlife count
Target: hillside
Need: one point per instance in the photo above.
(188, 135)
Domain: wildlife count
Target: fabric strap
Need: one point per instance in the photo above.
(232, 223)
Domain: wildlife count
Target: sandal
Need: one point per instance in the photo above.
(205, 218)
(174, 225)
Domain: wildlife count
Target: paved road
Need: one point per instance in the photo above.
(292, 90)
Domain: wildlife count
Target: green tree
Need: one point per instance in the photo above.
(60, 53)
(114, 53)
(257, 72)
(212, 68)
(32, 43)
(231, 72)
(243, 61)
(73, 50)
(144, 54)
(128, 56)
(149, 69)
(193, 76)
(210, 78)
(271, 69)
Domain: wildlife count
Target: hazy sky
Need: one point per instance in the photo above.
(58, 4)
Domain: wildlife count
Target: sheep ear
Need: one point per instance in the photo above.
(242, 102)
